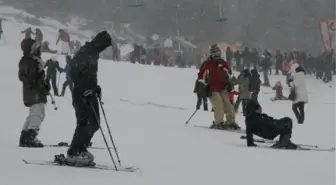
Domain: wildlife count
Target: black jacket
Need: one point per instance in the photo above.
(84, 65)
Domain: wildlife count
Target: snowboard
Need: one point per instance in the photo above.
(95, 166)
(240, 131)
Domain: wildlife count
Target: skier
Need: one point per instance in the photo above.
(201, 92)
(266, 65)
(1, 31)
(244, 89)
(64, 37)
(255, 84)
(299, 88)
(267, 127)
(35, 91)
(68, 81)
(215, 73)
(278, 92)
(38, 36)
(28, 33)
(53, 67)
(84, 68)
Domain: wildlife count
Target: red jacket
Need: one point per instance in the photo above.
(63, 36)
(215, 72)
(231, 95)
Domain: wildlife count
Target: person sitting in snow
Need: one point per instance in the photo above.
(278, 92)
(45, 48)
(264, 126)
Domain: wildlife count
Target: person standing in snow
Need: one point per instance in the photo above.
(1, 30)
(53, 67)
(244, 89)
(38, 36)
(299, 89)
(84, 68)
(266, 65)
(255, 84)
(28, 33)
(68, 81)
(35, 91)
(64, 37)
(215, 73)
(201, 91)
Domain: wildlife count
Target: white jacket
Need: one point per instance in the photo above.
(299, 83)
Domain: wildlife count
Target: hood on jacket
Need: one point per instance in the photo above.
(101, 41)
(30, 47)
(253, 107)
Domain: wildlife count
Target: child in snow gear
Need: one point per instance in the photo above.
(244, 89)
(216, 72)
(68, 81)
(201, 91)
(299, 88)
(84, 68)
(267, 127)
(278, 92)
(255, 84)
(53, 67)
(35, 91)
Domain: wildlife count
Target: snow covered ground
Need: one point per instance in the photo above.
(147, 107)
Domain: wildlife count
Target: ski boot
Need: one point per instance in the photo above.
(28, 139)
(81, 159)
(220, 126)
(233, 126)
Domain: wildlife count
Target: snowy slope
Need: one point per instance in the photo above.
(149, 132)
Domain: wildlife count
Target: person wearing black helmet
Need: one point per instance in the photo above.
(85, 94)
(35, 91)
(264, 126)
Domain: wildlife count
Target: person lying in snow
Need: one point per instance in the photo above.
(267, 127)
(278, 92)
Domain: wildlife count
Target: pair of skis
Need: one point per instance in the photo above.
(300, 146)
(95, 166)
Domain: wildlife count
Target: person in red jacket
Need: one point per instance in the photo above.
(28, 33)
(64, 37)
(215, 73)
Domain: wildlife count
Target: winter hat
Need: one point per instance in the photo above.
(101, 41)
(215, 52)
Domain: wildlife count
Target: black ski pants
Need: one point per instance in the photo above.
(88, 120)
(69, 83)
(201, 99)
(52, 77)
(298, 109)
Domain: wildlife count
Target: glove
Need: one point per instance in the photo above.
(89, 92)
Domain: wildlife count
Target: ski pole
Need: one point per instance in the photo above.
(109, 130)
(53, 102)
(191, 116)
(102, 132)
(59, 77)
